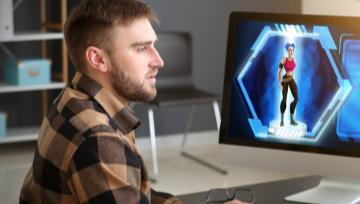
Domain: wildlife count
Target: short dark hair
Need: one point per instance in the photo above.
(287, 45)
(92, 22)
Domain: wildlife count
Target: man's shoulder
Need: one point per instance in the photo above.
(62, 133)
(74, 117)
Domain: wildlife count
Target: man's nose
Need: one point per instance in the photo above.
(157, 60)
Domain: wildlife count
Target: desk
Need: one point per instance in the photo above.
(266, 193)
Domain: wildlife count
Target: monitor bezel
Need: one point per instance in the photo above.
(234, 19)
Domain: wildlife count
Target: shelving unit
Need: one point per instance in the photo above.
(31, 36)
(24, 134)
(6, 88)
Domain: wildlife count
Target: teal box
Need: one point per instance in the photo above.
(2, 124)
(27, 71)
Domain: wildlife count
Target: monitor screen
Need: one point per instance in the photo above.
(293, 82)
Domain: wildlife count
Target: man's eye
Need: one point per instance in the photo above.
(141, 49)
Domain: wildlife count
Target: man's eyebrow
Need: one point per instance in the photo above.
(142, 43)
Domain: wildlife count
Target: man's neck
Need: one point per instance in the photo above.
(103, 80)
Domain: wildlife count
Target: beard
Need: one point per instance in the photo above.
(130, 88)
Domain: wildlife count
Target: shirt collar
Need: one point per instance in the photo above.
(122, 114)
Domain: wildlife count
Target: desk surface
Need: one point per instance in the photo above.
(266, 193)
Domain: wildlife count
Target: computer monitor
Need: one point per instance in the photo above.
(292, 82)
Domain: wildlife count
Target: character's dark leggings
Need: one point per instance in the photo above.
(288, 81)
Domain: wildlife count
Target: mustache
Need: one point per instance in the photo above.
(154, 73)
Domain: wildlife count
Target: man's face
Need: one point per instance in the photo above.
(134, 61)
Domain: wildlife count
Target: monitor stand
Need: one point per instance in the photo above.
(330, 191)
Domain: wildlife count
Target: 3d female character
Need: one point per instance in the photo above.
(288, 81)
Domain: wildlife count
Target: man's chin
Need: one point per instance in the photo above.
(152, 95)
(149, 94)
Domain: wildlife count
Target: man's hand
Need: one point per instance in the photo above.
(235, 202)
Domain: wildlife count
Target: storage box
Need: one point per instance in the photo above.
(2, 124)
(27, 71)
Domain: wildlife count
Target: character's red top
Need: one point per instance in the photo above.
(289, 65)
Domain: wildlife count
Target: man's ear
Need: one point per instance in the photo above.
(96, 59)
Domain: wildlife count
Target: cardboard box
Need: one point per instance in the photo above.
(2, 124)
(27, 71)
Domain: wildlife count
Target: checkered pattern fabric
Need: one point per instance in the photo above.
(86, 152)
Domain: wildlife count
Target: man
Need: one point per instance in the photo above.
(86, 149)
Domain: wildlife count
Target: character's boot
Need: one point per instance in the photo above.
(292, 122)
(282, 120)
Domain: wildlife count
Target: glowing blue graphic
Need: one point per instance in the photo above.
(333, 99)
(348, 119)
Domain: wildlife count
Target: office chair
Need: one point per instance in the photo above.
(175, 88)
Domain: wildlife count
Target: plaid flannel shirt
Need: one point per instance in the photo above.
(86, 152)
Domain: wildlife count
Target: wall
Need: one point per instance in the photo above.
(331, 7)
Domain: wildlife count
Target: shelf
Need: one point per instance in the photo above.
(31, 36)
(7, 88)
(24, 134)
(48, 31)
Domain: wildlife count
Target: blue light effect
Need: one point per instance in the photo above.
(259, 129)
(261, 39)
(282, 28)
(348, 119)
(326, 39)
(303, 28)
(328, 44)
(277, 27)
(351, 59)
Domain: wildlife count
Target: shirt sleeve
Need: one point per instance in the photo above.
(104, 169)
